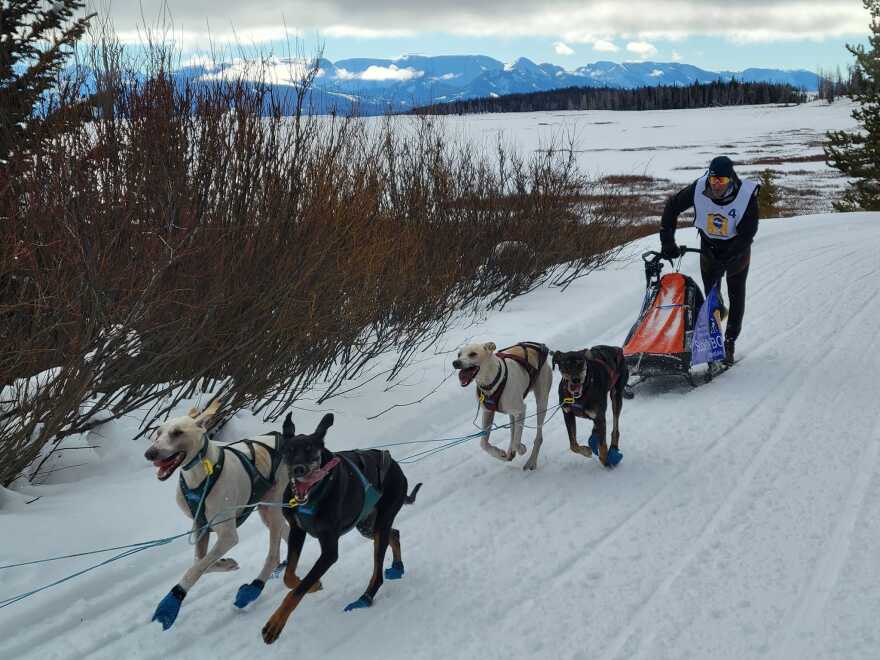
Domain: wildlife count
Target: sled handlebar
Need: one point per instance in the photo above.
(653, 255)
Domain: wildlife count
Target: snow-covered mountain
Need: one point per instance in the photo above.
(397, 84)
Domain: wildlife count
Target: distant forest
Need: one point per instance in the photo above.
(661, 97)
(836, 84)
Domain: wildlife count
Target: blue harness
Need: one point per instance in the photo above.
(372, 493)
(260, 485)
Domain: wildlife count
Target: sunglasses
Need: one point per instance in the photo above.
(719, 180)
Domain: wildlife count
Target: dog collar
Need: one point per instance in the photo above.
(199, 456)
(502, 371)
(303, 487)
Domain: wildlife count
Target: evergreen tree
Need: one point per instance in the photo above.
(768, 194)
(36, 37)
(857, 155)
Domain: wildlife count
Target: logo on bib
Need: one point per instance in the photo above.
(717, 224)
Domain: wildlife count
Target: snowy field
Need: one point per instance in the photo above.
(743, 522)
(673, 147)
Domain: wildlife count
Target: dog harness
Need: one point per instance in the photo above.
(490, 396)
(260, 485)
(372, 492)
(569, 402)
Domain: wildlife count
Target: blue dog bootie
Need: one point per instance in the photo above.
(279, 570)
(363, 601)
(614, 456)
(168, 608)
(593, 442)
(248, 593)
(395, 572)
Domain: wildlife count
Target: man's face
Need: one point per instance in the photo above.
(719, 185)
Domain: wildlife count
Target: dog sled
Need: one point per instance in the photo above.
(660, 341)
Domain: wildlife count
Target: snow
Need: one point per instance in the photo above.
(742, 522)
(674, 144)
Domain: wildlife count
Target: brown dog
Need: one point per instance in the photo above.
(589, 378)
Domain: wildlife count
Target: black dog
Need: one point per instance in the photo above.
(589, 377)
(330, 493)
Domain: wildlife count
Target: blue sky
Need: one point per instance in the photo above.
(788, 34)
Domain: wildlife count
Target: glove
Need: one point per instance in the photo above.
(670, 251)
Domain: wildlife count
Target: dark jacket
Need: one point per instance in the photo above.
(720, 249)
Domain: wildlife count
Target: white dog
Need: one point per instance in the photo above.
(218, 483)
(503, 381)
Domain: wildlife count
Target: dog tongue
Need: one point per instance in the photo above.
(165, 465)
(304, 485)
(465, 376)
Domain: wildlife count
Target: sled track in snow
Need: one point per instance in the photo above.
(729, 502)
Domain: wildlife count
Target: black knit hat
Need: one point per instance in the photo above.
(721, 166)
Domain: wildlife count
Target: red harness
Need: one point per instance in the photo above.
(490, 397)
(613, 376)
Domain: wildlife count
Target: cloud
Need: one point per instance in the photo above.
(354, 32)
(656, 73)
(584, 22)
(641, 48)
(562, 48)
(675, 57)
(377, 73)
(605, 46)
(273, 70)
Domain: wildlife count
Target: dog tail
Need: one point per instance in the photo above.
(411, 498)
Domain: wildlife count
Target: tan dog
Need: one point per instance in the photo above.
(219, 487)
(503, 381)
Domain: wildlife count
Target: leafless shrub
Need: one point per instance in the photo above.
(194, 238)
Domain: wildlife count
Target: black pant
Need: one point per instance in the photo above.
(737, 271)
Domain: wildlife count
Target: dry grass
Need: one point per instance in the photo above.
(780, 160)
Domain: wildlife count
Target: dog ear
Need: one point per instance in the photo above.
(288, 428)
(203, 417)
(489, 345)
(325, 423)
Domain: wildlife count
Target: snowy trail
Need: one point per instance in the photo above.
(742, 523)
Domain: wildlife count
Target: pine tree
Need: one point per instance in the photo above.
(36, 37)
(768, 194)
(857, 155)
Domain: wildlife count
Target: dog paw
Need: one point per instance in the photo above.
(363, 601)
(248, 593)
(279, 570)
(522, 449)
(273, 628)
(613, 458)
(169, 607)
(593, 442)
(224, 565)
(291, 581)
(395, 572)
(530, 465)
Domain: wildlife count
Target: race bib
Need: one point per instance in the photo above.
(717, 224)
